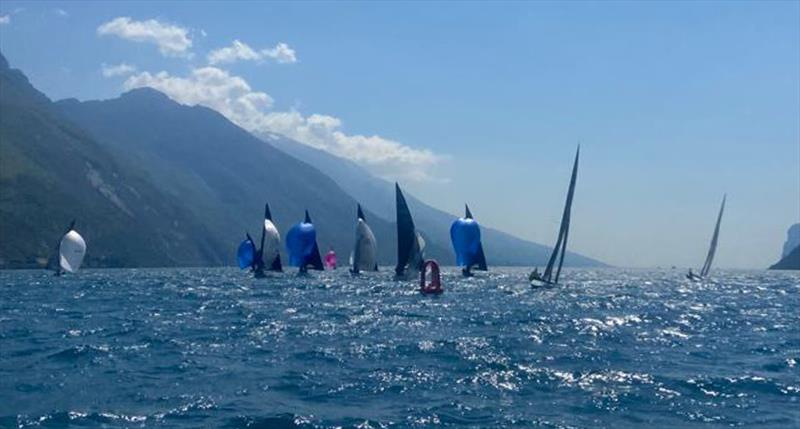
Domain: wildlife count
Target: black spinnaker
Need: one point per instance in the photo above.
(410, 245)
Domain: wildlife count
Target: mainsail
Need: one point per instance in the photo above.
(560, 248)
(366, 249)
(713, 247)
(410, 245)
(71, 250)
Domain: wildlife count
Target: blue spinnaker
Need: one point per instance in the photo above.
(246, 254)
(300, 242)
(466, 237)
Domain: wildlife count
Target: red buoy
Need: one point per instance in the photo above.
(435, 285)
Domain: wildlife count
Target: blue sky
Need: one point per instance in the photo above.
(673, 103)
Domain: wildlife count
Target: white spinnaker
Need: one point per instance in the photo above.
(272, 242)
(71, 251)
(365, 253)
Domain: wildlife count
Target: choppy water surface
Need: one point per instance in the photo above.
(214, 348)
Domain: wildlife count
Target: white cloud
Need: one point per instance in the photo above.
(61, 12)
(281, 53)
(233, 97)
(171, 40)
(238, 50)
(5, 19)
(211, 87)
(117, 70)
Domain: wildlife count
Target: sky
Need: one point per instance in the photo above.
(673, 103)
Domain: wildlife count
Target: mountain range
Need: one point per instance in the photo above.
(153, 182)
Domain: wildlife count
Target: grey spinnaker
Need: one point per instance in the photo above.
(365, 250)
(560, 249)
(270, 242)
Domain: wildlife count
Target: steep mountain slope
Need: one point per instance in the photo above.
(789, 262)
(378, 195)
(52, 171)
(790, 257)
(220, 172)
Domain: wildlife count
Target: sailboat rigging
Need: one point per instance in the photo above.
(712, 248)
(560, 249)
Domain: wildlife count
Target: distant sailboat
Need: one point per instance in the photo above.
(71, 251)
(410, 245)
(712, 249)
(270, 245)
(365, 252)
(301, 243)
(465, 234)
(560, 249)
(248, 256)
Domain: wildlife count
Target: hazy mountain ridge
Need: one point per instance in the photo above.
(52, 171)
(216, 168)
(156, 183)
(378, 195)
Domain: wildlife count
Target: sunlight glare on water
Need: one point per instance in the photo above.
(215, 348)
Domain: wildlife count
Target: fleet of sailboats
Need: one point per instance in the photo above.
(712, 248)
(303, 250)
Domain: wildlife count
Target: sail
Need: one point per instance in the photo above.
(406, 235)
(301, 243)
(246, 253)
(560, 249)
(365, 251)
(713, 247)
(71, 251)
(270, 242)
(465, 235)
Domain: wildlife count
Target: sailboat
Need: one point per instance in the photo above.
(365, 252)
(71, 250)
(712, 249)
(269, 250)
(465, 234)
(549, 278)
(410, 245)
(301, 243)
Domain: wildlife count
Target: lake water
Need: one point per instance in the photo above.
(181, 348)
